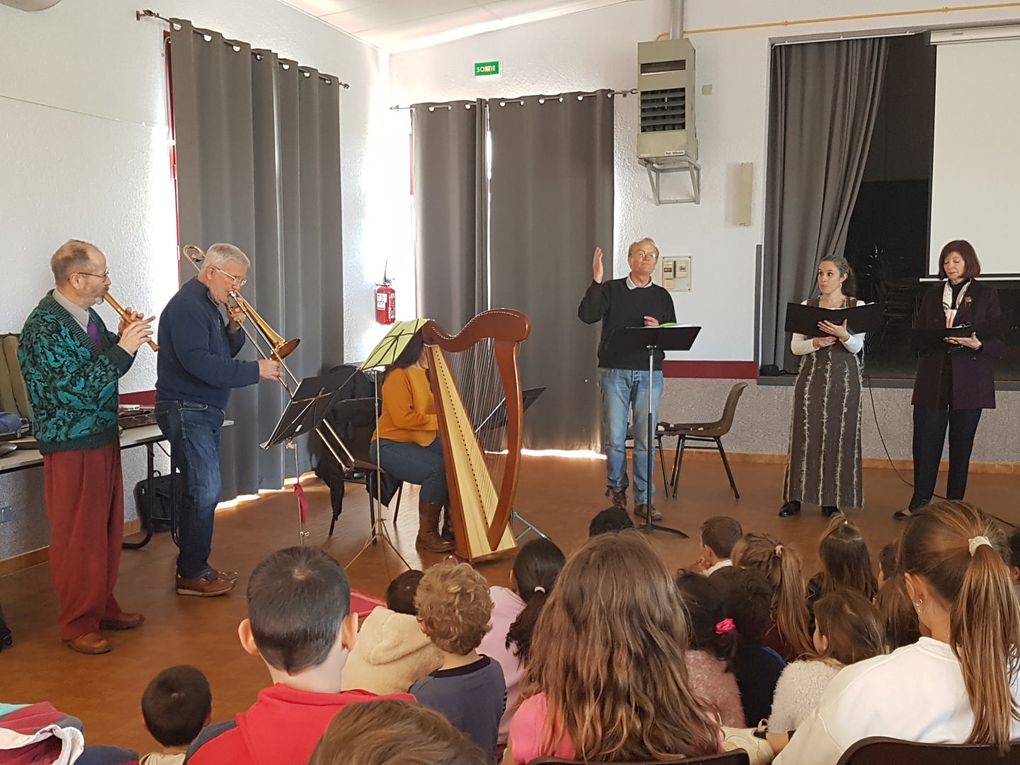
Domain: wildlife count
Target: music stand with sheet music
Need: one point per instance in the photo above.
(652, 339)
(497, 419)
(304, 414)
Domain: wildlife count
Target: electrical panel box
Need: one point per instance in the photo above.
(675, 273)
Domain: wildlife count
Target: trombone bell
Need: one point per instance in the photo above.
(280, 346)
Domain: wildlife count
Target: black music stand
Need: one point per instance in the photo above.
(654, 339)
(306, 410)
(497, 419)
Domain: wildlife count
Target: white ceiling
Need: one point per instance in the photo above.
(404, 24)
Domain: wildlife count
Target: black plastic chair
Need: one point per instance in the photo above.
(700, 435)
(736, 757)
(879, 750)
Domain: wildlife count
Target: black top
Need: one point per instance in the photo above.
(757, 668)
(955, 376)
(617, 306)
(472, 698)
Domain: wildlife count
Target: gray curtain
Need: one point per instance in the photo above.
(450, 203)
(551, 198)
(258, 165)
(823, 102)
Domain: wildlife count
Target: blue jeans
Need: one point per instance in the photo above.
(625, 391)
(409, 462)
(193, 430)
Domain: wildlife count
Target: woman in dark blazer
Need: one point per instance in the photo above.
(953, 384)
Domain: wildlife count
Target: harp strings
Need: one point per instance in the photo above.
(476, 374)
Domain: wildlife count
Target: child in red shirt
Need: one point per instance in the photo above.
(300, 624)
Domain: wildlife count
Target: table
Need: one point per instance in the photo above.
(146, 435)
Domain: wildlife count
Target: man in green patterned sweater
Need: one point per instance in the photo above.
(72, 365)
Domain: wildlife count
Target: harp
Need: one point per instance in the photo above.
(476, 383)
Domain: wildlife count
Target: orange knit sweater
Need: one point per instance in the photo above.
(408, 409)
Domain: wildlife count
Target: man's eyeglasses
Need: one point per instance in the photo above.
(645, 255)
(104, 275)
(237, 280)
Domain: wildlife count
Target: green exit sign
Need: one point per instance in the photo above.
(486, 68)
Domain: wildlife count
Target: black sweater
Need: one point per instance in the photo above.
(617, 307)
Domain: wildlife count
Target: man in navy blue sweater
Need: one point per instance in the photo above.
(633, 301)
(196, 371)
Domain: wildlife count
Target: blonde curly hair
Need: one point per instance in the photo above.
(454, 607)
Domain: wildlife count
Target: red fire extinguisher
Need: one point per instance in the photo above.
(385, 301)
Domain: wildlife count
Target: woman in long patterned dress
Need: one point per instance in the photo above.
(824, 464)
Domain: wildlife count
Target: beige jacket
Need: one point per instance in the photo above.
(390, 654)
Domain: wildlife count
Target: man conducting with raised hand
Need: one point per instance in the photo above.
(195, 374)
(72, 364)
(633, 301)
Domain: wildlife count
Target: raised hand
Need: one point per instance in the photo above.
(597, 272)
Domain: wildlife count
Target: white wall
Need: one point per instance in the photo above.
(598, 49)
(84, 148)
(84, 153)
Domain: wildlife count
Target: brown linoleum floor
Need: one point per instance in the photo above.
(559, 495)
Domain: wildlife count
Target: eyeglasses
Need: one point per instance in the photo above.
(645, 255)
(104, 275)
(237, 280)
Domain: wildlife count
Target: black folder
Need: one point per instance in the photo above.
(933, 338)
(804, 319)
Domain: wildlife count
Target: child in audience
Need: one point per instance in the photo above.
(756, 665)
(959, 685)
(713, 646)
(176, 705)
(454, 610)
(607, 678)
(611, 519)
(394, 732)
(847, 630)
(886, 564)
(899, 619)
(300, 624)
(718, 535)
(846, 562)
(787, 629)
(391, 652)
(514, 613)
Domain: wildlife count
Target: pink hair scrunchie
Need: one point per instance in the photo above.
(726, 625)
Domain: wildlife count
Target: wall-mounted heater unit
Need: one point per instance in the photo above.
(667, 141)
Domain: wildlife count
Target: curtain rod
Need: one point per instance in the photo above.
(520, 100)
(146, 13)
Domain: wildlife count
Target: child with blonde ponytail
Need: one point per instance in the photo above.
(960, 685)
(787, 633)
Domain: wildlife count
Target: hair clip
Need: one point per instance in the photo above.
(726, 625)
(540, 589)
(975, 542)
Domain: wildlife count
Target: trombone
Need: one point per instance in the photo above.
(124, 315)
(279, 348)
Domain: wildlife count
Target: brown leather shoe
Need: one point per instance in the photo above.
(233, 576)
(208, 586)
(91, 643)
(619, 497)
(123, 621)
(641, 511)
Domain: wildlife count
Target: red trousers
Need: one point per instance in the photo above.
(85, 504)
